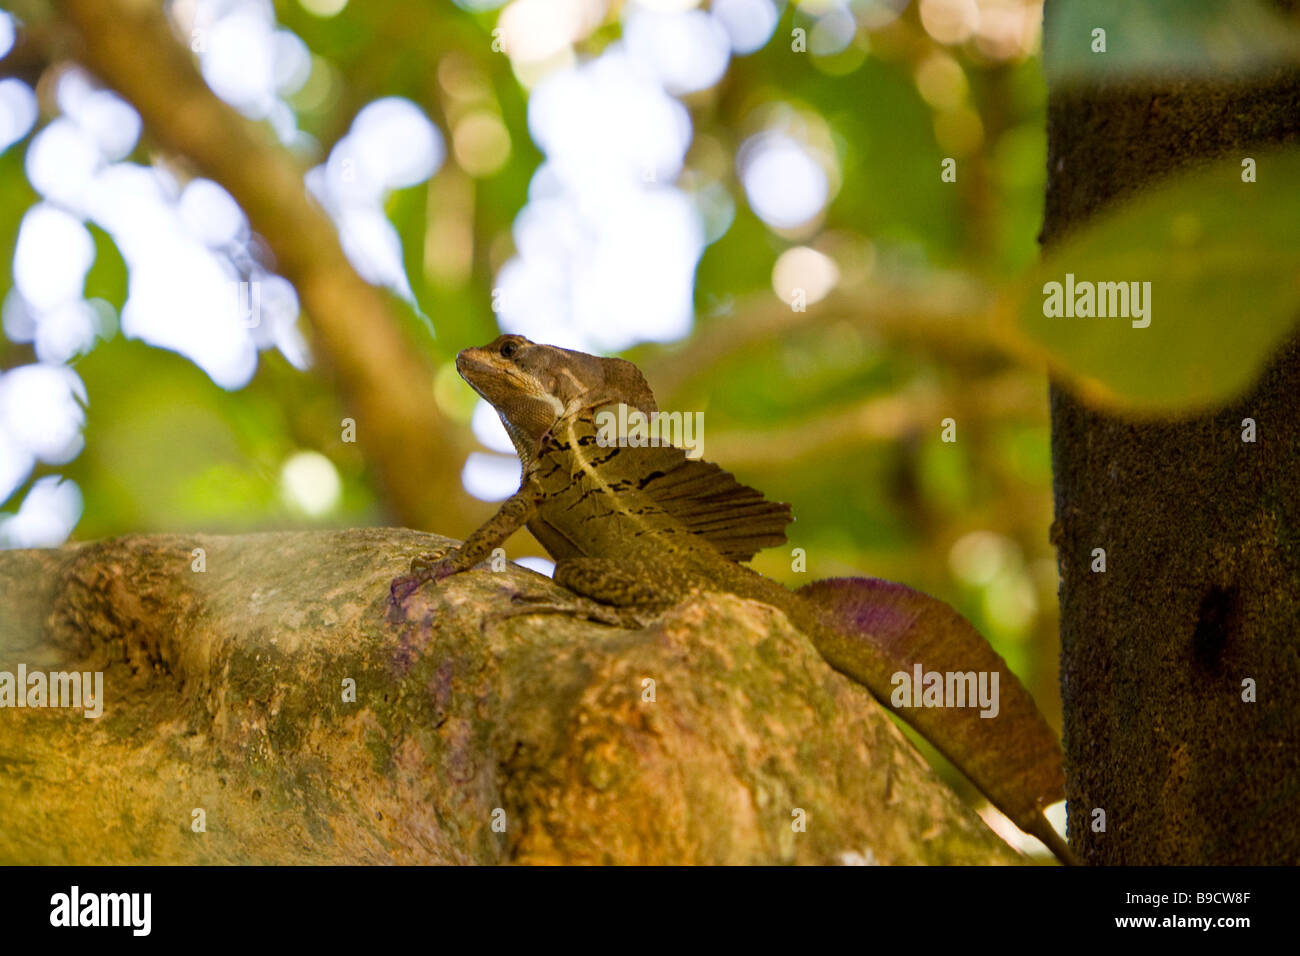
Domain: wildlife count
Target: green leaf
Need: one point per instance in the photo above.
(1205, 38)
(1223, 262)
(107, 278)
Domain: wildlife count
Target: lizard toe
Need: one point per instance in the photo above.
(404, 586)
(423, 563)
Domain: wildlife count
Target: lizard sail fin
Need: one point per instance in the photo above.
(993, 732)
(734, 518)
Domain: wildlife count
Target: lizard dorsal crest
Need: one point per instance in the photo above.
(621, 381)
(710, 502)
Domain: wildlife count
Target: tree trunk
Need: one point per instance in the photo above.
(528, 739)
(1201, 531)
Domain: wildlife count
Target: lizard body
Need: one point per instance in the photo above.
(638, 528)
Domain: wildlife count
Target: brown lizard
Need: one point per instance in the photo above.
(635, 529)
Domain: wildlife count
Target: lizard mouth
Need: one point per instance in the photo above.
(476, 370)
(488, 375)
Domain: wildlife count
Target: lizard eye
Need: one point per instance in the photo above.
(508, 349)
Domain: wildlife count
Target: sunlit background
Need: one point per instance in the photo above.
(602, 255)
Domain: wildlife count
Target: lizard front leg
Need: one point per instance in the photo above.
(513, 514)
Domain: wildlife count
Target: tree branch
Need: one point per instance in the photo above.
(225, 691)
(415, 451)
(948, 316)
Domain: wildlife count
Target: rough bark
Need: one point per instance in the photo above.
(223, 691)
(1202, 582)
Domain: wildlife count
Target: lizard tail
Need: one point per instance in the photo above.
(931, 667)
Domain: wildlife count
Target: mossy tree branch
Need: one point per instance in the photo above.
(224, 692)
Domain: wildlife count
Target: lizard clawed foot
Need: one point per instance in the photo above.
(404, 586)
(430, 566)
(427, 562)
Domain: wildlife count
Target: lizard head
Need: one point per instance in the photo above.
(534, 386)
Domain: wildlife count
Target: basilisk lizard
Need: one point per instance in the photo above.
(636, 529)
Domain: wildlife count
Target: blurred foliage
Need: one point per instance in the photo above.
(967, 521)
(1207, 37)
